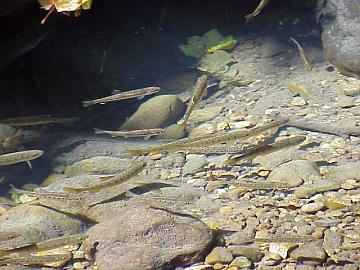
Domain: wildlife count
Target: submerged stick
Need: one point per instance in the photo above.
(306, 62)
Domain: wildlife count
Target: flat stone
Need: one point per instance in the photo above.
(97, 165)
(310, 252)
(35, 224)
(312, 207)
(345, 102)
(251, 251)
(295, 173)
(219, 255)
(326, 222)
(206, 114)
(304, 192)
(345, 171)
(325, 185)
(194, 164)
(145, 238)
(202, 130)
(332, 242)
(241, 263)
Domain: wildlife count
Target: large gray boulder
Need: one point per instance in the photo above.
(340, 21)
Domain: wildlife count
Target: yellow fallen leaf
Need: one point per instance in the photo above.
(64, 6)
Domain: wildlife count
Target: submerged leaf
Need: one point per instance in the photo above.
(216, 62)
(198, 46)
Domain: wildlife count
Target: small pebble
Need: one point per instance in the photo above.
(298, 101)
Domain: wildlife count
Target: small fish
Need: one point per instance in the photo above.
(124, 95)
(34, 260)
(61, 241)
(126, 187)
(262, 185)
(118, 179)
(200, 90)
(47, 195)
(280, 239)
(266, 149)
(209, 139)
(306, 62)
(147, 133)
(36, 120)
(22, 156)
(215, 150)
(257, 10)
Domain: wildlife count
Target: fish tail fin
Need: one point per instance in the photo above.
(69, 121)
(87, 103)
(99, 131)
(134, 152)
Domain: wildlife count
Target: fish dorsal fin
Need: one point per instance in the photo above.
(116, 92)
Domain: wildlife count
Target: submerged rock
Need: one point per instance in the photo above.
(194, 164)
(219, 255)
(34, 224)
(312, 252)
(345, 171)
(144, 238)
(341, 34)
(99, 165)
(295, 173)
(157, 112)
(251, 251)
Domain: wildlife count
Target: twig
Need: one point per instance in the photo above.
(307, 64)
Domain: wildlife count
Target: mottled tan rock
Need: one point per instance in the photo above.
(304, 192)
(310, 252)
(219, 255)
(144, 238)
(312, 207)
(205, 114)
(345, 171)
(272, 160)
(252, 251)
(202, 130)
(36, 223)
(332, 242)
(97, 165)
(295, 173)
(157, 112)
(194, 164)
(241, 263)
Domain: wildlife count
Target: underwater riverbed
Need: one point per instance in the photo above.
(234, 146)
